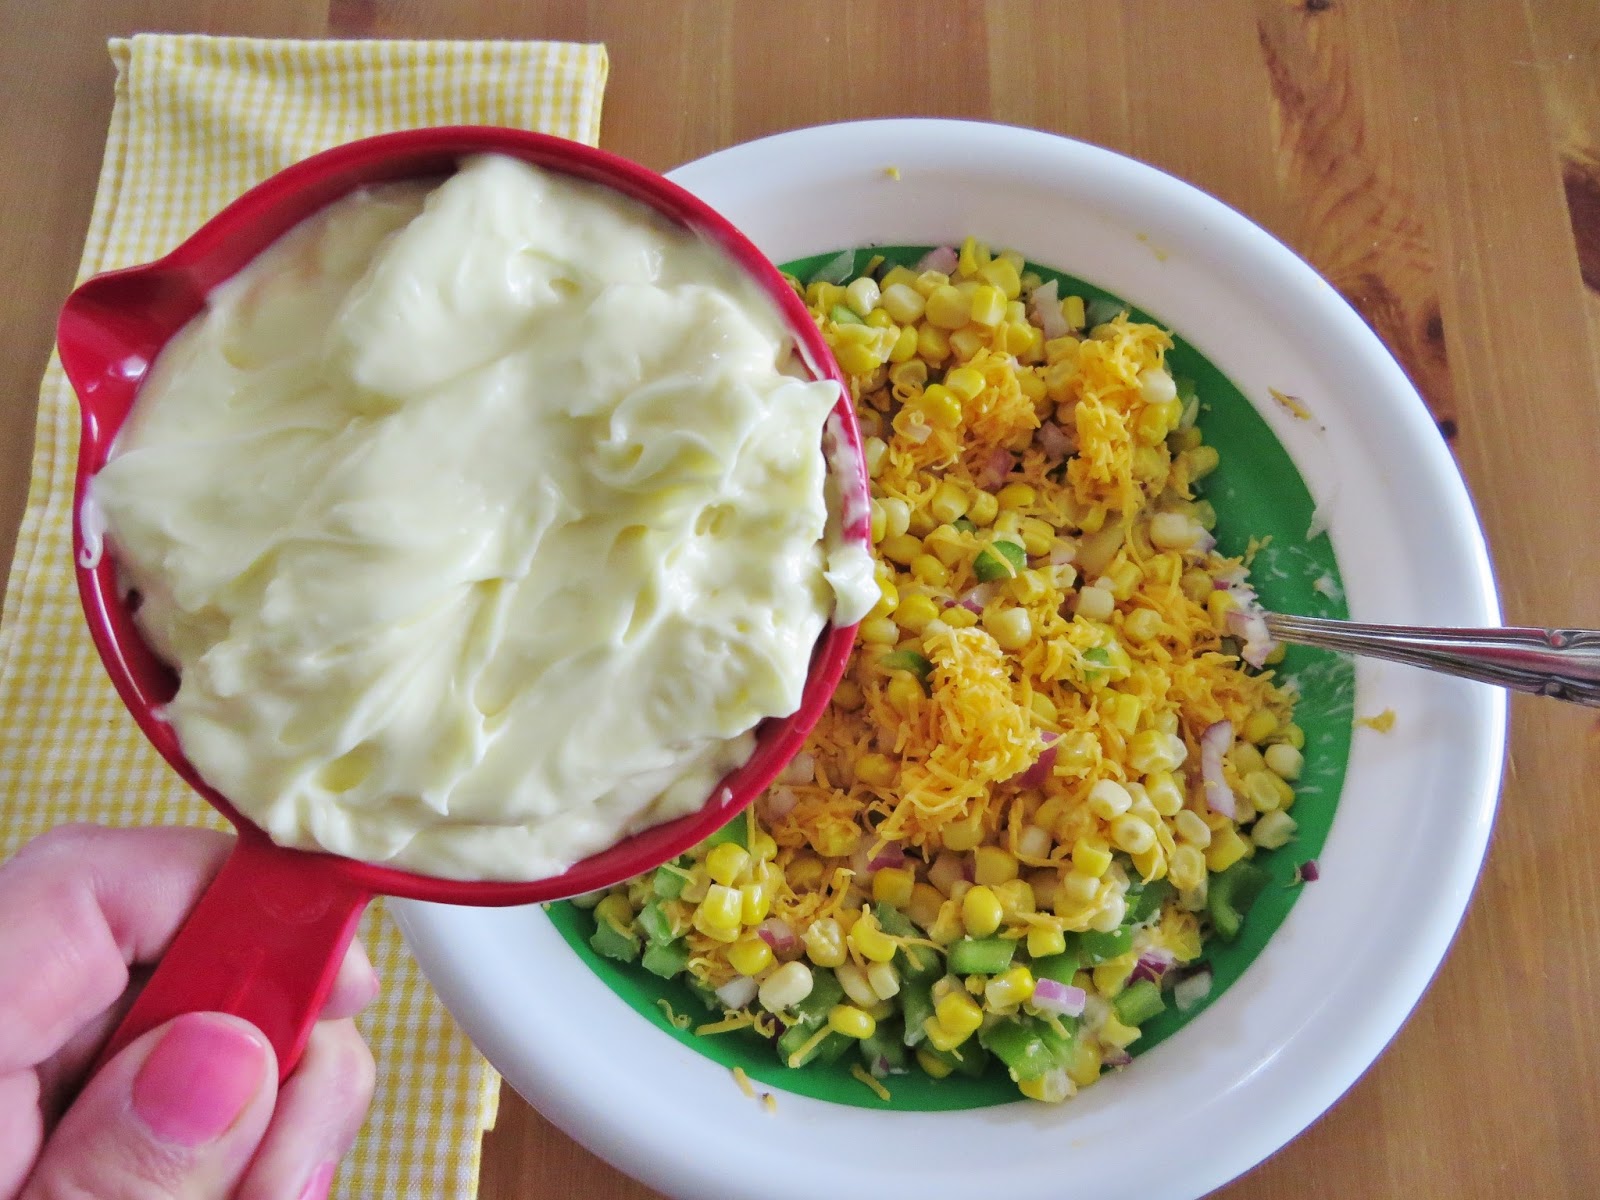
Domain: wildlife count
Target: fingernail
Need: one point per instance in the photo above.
(198, 1079)
(317, 1186)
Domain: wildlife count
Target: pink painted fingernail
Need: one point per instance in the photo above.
(317, 1186)
(198, 1079)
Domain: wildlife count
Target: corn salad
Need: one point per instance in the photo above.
(1038, 788)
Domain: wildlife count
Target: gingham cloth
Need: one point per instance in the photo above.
(198, 120)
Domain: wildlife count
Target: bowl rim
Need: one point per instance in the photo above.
(450, 945)
(107, 346)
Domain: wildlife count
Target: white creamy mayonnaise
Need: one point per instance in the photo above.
(483, 522)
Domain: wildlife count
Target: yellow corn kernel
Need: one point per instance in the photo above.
(973, 256)
(1284, 761)
(1038, 537)
(1276, 655)
(755, 902)
(1151, 751)
(1109, 799)
(963, 834)
(947, 926)
(726, 862)
(856, 359)
(959, 618)
(950, 502)
(1045, 940)
(875, 770)
(1226, 848)
(1218, 605)
(1187, 869)
(928, 570)
(923, 908)
(1009, 988)
(982, 509)
(1072, 310)
(980, 911)
(967, 341)
(1075, 893)
(1293, 735)
(615, 911)
(877, 524)
(824, 941)
(1165, 793)
(1260, 725)
(941, 407)
(884, 981)
(958, 1013)
(934, 1068)
(1246, 759)
(848, 695)
(1111, 976)
(988, 306)
(717, 916)
(947, 308)
(1202, 460)
(1143, 625)
(1012, 628)
(892, 885)
(762, 847)
(1151, 863)
(880, 631)
(933, 344)
(1273, 830)
(1091, 857)
(966, 382)
(1192, 829)
(1115, 1033)
(915, 612)
(750, 956)
(901, 548)
(1083, 1068)
(896, 516)
(851, 1021)
(904, 693)
(1015, 896)
(904, 350)
(888, 598)
(994, 865)
(1124, 577)
(1132, 835)
(879, 319)
(1016, 495)
(1003, 276)
(867, 940)
(902, 302)
(1053, 1087)
(1261, 789)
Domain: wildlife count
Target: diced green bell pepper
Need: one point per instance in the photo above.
(999, 560)
(843, 315)
(1139, 1002)
(1231, 895)
(736, 830)
(668, 883)
(1097, 947)
(608, 942)
(981, 956)
(908, 660)
(665, 959)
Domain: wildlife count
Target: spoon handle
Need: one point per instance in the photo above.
(1563, 663)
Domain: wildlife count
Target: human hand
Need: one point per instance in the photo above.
(191, 1110)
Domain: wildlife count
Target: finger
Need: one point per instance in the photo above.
(81, 904)
(319, 1113)
(177, 1114)
(22, 1126)
(355, 987)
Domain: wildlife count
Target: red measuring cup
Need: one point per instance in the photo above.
(266, 940)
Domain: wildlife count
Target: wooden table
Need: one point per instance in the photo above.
(1438, 160)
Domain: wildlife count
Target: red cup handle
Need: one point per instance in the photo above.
(264, 943)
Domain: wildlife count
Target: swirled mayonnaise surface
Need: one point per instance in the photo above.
(483, 522)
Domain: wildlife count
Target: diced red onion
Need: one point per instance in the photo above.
(1205, 543)
(1035, 775)
(1152, 965)
(1248, 623)
(737, 993)
(1215, 742)
(1044, 310)
(1062, 553)
(973, 599)
(1060, 998)
(1309, 871)
(916, 434)
(994, 469)
(775, 932)
(1115, 1057)
(799, 768)
(1053, 440)
(946, 869)
(1192, 989)
(943, 259)
(892, 855)
(777, 803)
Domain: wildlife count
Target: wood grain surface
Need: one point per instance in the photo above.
(1438, 160)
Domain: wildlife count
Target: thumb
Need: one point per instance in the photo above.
(176, 1116)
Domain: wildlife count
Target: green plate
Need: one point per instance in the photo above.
(1257, 493)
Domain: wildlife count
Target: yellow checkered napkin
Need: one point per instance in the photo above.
(197, 121)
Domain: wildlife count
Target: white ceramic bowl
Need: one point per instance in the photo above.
(1354, 955)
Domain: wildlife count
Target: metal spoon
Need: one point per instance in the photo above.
(1563, 663)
